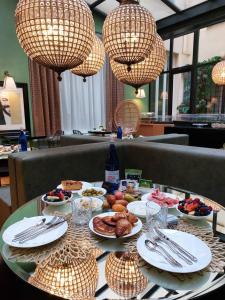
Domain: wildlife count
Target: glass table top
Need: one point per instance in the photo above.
(161, 284)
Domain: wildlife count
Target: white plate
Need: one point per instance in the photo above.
(58, 203)
(145, 197)
(134, 230)
(192, 217)
(98, 189)
(85, 185)
(43, 239)
(188, 241)
(138, 208)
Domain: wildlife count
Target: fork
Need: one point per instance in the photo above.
(152, 246)
(47, 229)
(30, 233)
(31, 228)
(158, 238)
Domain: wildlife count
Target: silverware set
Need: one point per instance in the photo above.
(158, 238)
(40, 228)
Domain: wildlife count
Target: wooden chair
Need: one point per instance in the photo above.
(127, 115)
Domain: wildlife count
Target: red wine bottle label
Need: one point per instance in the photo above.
(112, 176)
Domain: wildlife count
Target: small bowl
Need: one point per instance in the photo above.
(98, 189)
(57, 203)
(192, 217)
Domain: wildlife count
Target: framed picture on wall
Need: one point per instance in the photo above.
(14, 108)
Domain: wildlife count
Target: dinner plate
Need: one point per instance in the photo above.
(145, 197)
(85, 185)
(98, 189)
(138, 208)
(43, 239)
(134, 230)
(57, 203)
(188, 241)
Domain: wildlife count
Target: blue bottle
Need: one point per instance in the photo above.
(119, 133)
(22, 141)
(112, 170)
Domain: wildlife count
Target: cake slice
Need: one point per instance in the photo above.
(71, 185)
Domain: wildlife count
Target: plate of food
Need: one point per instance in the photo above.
(115, 225)
(138, 208)
(92, 192)
(57, 197)
(194, 209)
(161, 198)
(74, 186)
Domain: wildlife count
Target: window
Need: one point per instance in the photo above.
(189, 85)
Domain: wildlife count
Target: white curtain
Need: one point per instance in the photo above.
(82, 103)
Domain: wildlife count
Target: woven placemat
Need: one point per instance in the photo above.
(79, 236)
(204, 233)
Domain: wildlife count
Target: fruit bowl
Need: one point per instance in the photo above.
(194, 209)
(57, 197)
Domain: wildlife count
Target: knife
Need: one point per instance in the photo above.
(181, 249)
(49, 228)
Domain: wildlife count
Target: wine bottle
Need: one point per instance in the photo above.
(22, 141)
(112, 173)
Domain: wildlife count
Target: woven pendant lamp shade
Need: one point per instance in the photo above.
(129, 33)
(143, 72)
(93, 63)
(58, 34)
(218, 73)
(123, 274)
(67, 274)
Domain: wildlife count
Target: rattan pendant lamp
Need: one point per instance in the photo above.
(143, 72)
(129, 33)
(93, 63)
(58, 34)
(218, 73)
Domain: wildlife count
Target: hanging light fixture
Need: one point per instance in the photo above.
(93, 62)
(140, 94)
(129, 33)
(143, 72)
(218, 73)
(58, 34)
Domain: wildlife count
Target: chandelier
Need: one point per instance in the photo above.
(145, 71)
(218, 73)
(129, 33)
(58, 34)
(93, 62)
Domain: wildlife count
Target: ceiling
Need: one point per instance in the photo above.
(159, 8)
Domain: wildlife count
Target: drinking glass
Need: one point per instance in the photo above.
(81, 210)
(155, 217)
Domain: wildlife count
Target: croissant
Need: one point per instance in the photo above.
(132, 218)
(119, 216)
(123, 227)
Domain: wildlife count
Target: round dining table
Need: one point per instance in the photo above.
(161, 284)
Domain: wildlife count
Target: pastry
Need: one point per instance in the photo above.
(132, 218)
(71, 185)
(123, 227)
(108, 220)
(119, 216)
(101, 227)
